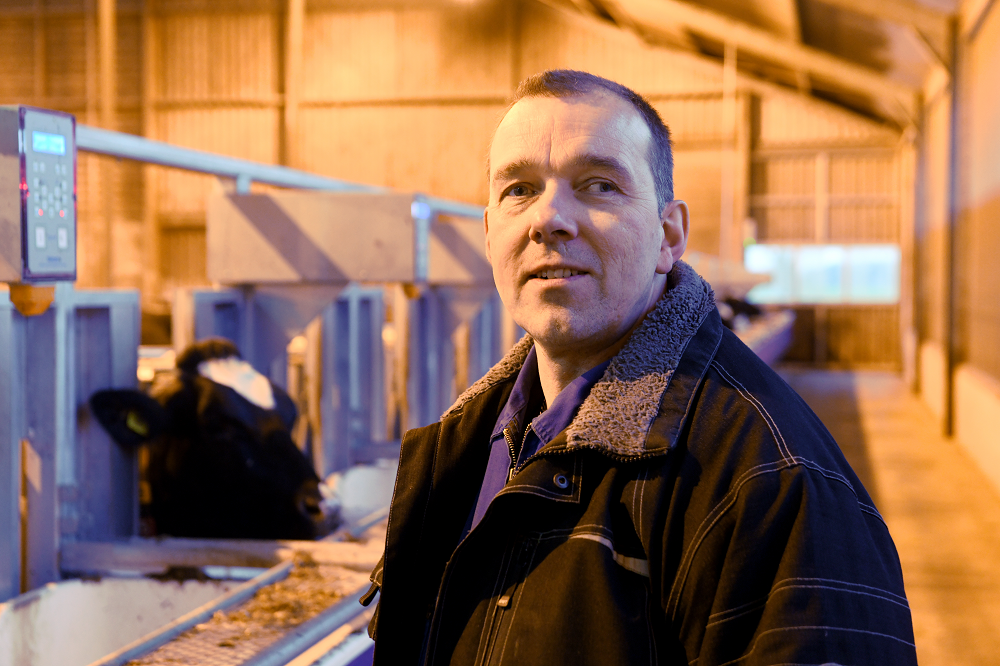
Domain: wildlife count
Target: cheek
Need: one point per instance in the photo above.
(504, 261)
(631, 255)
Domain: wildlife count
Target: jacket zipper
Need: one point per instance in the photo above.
(513, 454)
(514, 467)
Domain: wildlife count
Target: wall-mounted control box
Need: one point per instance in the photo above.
(37, 195)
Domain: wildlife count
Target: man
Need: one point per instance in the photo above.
(630, 484)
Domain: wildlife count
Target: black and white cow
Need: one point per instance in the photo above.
(222, 463)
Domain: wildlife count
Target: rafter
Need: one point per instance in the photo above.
(930, 22)
(649, 15)
(792, 8)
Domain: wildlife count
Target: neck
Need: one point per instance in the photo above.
(555, 372)
(558, 367)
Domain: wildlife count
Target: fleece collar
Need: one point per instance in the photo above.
(622, 405)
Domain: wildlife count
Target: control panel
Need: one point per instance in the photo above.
(37, 195)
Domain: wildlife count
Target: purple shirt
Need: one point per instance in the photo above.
(515, 436)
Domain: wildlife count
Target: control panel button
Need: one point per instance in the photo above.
(39, 237)
(63, 238)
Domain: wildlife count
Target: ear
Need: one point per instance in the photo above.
(676, 221)
(131, 417)
(486, 232)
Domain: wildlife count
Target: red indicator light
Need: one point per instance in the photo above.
(40, 212)
(62, 213)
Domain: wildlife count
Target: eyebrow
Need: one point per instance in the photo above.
(604, 163)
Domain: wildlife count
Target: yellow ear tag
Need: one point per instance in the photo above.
(136, 424)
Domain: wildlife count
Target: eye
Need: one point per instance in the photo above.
(517, 190)
(600, 187)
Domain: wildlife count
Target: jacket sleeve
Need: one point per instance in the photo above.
(790, 567)
(369, 596)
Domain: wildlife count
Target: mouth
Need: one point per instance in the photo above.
(555, 274)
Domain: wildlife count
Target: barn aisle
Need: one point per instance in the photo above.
(942, 512)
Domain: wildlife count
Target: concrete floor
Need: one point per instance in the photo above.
(943, 513)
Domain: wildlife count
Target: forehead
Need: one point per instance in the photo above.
(551, 129)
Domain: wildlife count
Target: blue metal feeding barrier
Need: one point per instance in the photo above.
(334, 256)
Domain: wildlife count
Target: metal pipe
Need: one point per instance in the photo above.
(308, 634)
(455, 208)
(132, 147)
(129, 146)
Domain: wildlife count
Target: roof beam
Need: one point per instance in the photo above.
(650, 15)
(929, 21)
(792, 8)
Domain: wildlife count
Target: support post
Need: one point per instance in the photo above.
(294, 21)
(729, 131)
(107, 30)
(954, 210)
(152, 298)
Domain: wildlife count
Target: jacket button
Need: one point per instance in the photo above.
(561, 481)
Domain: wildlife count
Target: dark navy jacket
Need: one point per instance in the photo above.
(694, 512)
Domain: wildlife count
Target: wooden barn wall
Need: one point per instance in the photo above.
(821, 175)
(977, 241)
(406, 95)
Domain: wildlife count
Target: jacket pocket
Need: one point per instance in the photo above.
(503, 602)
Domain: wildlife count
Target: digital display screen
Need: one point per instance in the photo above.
(53, 144)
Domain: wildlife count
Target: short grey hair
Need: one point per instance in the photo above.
(571, 83)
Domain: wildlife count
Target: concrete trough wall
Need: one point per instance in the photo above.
(76, 622)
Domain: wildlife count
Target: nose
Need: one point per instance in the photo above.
(553, 218)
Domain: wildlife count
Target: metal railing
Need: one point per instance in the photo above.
(244, 172)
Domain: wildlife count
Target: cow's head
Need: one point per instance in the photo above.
(131, 417)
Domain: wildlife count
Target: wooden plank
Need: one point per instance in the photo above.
(310, 236)
(157, 555)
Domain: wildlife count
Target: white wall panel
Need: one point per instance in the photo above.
(788, 119)
(932, 219)
(349, 55)
(16, 57)
(698, 181)
(65, 62)
(247, 133)
(978, 237)
(552, 39)
(695, 120)
(228, 56)
(440, 150)
(460, 51)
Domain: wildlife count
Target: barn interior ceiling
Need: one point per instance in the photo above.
(871, 56)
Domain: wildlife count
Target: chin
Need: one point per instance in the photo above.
(554, 332)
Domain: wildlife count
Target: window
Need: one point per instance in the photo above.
(825, 274)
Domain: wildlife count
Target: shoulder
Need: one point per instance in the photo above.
(759, 412)
(753, 443)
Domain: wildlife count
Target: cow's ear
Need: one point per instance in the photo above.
(130, 417)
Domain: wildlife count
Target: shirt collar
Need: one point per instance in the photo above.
(562, 410)
(560, 413)
(517, 403)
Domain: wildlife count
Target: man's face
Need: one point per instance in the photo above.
(578, 246)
